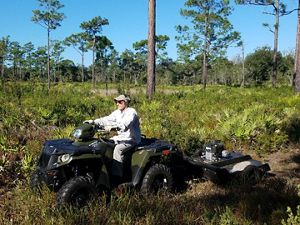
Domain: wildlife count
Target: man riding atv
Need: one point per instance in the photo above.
(125, 120)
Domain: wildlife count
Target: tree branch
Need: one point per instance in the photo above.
(268, 13)
(289, 12)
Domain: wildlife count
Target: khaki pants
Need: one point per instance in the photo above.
(118, 158)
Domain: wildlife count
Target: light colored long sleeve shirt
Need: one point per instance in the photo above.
(128, 123)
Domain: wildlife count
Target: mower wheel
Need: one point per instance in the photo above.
(158, 178)
(76, 192)
(251, 175)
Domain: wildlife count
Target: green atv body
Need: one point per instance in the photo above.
(86, 162)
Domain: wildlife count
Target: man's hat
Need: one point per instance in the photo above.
(122, 98)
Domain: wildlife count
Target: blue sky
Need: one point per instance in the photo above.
(128, 23)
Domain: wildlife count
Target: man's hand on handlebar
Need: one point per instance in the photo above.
(89, 121)
(99, 125)
(110, 128)
(94, 122)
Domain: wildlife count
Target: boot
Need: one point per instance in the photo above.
(115, 181)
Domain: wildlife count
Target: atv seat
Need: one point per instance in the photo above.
(144, 143)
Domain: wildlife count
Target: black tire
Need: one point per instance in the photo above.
(251, 175)
(221, 177)
(158, 178)
(76, 192)
(35, 181)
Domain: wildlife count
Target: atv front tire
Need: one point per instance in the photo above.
(158, 178)
(76, 192)
(35, 181)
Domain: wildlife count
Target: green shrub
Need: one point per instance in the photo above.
(262, 119)
(291, 127)
(293, 219)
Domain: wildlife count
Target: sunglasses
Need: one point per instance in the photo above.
(120, 102)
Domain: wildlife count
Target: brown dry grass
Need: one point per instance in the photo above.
(286, 164)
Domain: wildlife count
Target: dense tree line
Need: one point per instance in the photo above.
(24, 62)
(201, 52)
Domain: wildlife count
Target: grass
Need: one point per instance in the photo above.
(257, 120)
(204, 203)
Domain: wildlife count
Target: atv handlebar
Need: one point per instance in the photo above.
(101, 128)
(105, 129)
(88, 130)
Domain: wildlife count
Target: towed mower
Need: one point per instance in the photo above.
(79, 168)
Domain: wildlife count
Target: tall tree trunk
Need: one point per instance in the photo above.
(48, 58)
(205, 54)
(93, 66)
(204, 71)
(151, 49)
(21, 72)
(297, 55)
(275, 60)
(82, 67)
(14, 70)
(2, 68)
(243, 66)
(54, 73)
(135, 79)
(106, 84)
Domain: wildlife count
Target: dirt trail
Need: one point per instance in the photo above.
(286, 164)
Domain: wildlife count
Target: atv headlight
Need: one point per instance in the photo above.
(77, 133)
(64, 158)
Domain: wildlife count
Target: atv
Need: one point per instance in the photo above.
(79, 168)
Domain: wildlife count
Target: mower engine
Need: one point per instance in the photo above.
(214, 151)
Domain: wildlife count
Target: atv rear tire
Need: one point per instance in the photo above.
(158, 178)
(76, 192)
